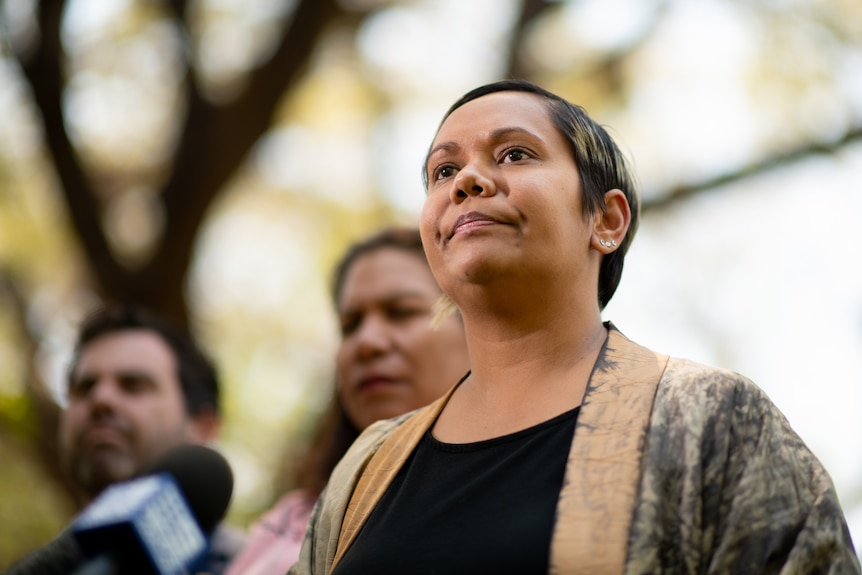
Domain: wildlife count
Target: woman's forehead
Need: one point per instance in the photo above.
(499, 108)
(393, 267)
(496, 116)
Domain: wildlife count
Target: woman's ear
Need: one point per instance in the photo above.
(611, 225)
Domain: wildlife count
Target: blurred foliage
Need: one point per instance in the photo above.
(214, 158)
(30, 512)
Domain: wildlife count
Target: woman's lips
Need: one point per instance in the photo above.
(471, 220)
(375, 382)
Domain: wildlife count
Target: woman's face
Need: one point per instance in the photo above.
(504, 197)
(391, 360)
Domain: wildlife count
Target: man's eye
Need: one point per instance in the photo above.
(80, 387)
(135, 384)
(349, 325)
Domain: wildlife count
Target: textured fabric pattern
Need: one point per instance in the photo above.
(728, 486)
(722, 484)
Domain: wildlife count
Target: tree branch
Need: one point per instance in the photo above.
(179, 8)
(530, 10)
(215, 141)
(686, 191)
(43, 70)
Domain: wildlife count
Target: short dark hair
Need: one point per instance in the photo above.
(600, 162)
(196, 373)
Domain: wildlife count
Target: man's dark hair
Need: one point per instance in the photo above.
(196, 373)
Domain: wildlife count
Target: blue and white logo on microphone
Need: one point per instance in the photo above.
(145, 520)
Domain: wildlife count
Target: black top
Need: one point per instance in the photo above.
(485, 507)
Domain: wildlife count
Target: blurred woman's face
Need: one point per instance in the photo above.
(391, 360)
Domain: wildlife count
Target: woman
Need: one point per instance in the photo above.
(568, 448)
(390, 361)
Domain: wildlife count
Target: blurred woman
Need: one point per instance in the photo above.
(390, 361)
(568, 448)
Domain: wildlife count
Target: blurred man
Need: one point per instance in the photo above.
(136, 388)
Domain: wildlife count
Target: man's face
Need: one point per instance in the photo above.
(125, 408)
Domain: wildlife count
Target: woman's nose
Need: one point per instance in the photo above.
(472, 181)
(372, 337)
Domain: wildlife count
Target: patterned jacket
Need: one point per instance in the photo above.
(674, 467)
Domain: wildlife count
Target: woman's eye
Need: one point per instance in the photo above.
(406, 312)
(445, 172)
(515, 155)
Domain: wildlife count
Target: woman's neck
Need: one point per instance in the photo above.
(514, 356)
(526, 367)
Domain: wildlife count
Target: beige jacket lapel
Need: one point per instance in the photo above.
(601, 481)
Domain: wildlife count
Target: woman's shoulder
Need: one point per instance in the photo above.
(369, 441)
(691, 394)
(287, 503)
(687, 378)
(377, 432)
(682, 380)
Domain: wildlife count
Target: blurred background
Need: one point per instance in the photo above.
(213, 158)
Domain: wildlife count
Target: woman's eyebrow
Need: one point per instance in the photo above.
(444, 146)
(495, 135)
(501, 133)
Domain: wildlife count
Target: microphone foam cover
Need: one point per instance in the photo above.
(204, 477)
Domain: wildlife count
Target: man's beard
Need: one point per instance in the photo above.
(101, 467)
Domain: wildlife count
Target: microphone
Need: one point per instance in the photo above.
(158, 523)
